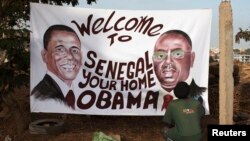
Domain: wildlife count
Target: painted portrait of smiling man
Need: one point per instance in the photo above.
(63, 58)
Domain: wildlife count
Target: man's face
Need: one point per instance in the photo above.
(172, 60)
(63, 55)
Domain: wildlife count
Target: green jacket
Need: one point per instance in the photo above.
(186, 115)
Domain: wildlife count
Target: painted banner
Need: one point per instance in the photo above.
(116, 62)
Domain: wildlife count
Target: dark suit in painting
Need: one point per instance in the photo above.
(47, 88)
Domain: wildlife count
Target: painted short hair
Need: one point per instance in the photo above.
(179, 33)
(51, 29)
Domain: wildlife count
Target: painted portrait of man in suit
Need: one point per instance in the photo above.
(173, 58)
(63, 58)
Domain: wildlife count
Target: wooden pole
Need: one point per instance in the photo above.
(226, 82)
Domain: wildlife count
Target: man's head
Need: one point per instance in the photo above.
(62, 52)
(173, 58)
(181, 90)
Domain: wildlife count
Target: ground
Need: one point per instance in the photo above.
(130, 128)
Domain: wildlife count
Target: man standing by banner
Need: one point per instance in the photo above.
(173, 58)
(63, 58)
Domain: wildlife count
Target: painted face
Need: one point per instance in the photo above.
(63, 55)
(172, 60)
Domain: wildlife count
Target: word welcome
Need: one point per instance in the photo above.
(143, 24)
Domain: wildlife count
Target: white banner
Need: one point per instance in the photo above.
(116, 62)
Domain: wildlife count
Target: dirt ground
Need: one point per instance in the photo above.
(130, 128)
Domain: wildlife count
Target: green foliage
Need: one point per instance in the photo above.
(61, 2)
(14, 39)
(242, 34)
(90, 1)
(236, 51)
(247, 51)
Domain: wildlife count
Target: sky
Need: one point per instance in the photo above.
(240, 8)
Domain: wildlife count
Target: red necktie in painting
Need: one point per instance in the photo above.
(167, 98)
(70, 98)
